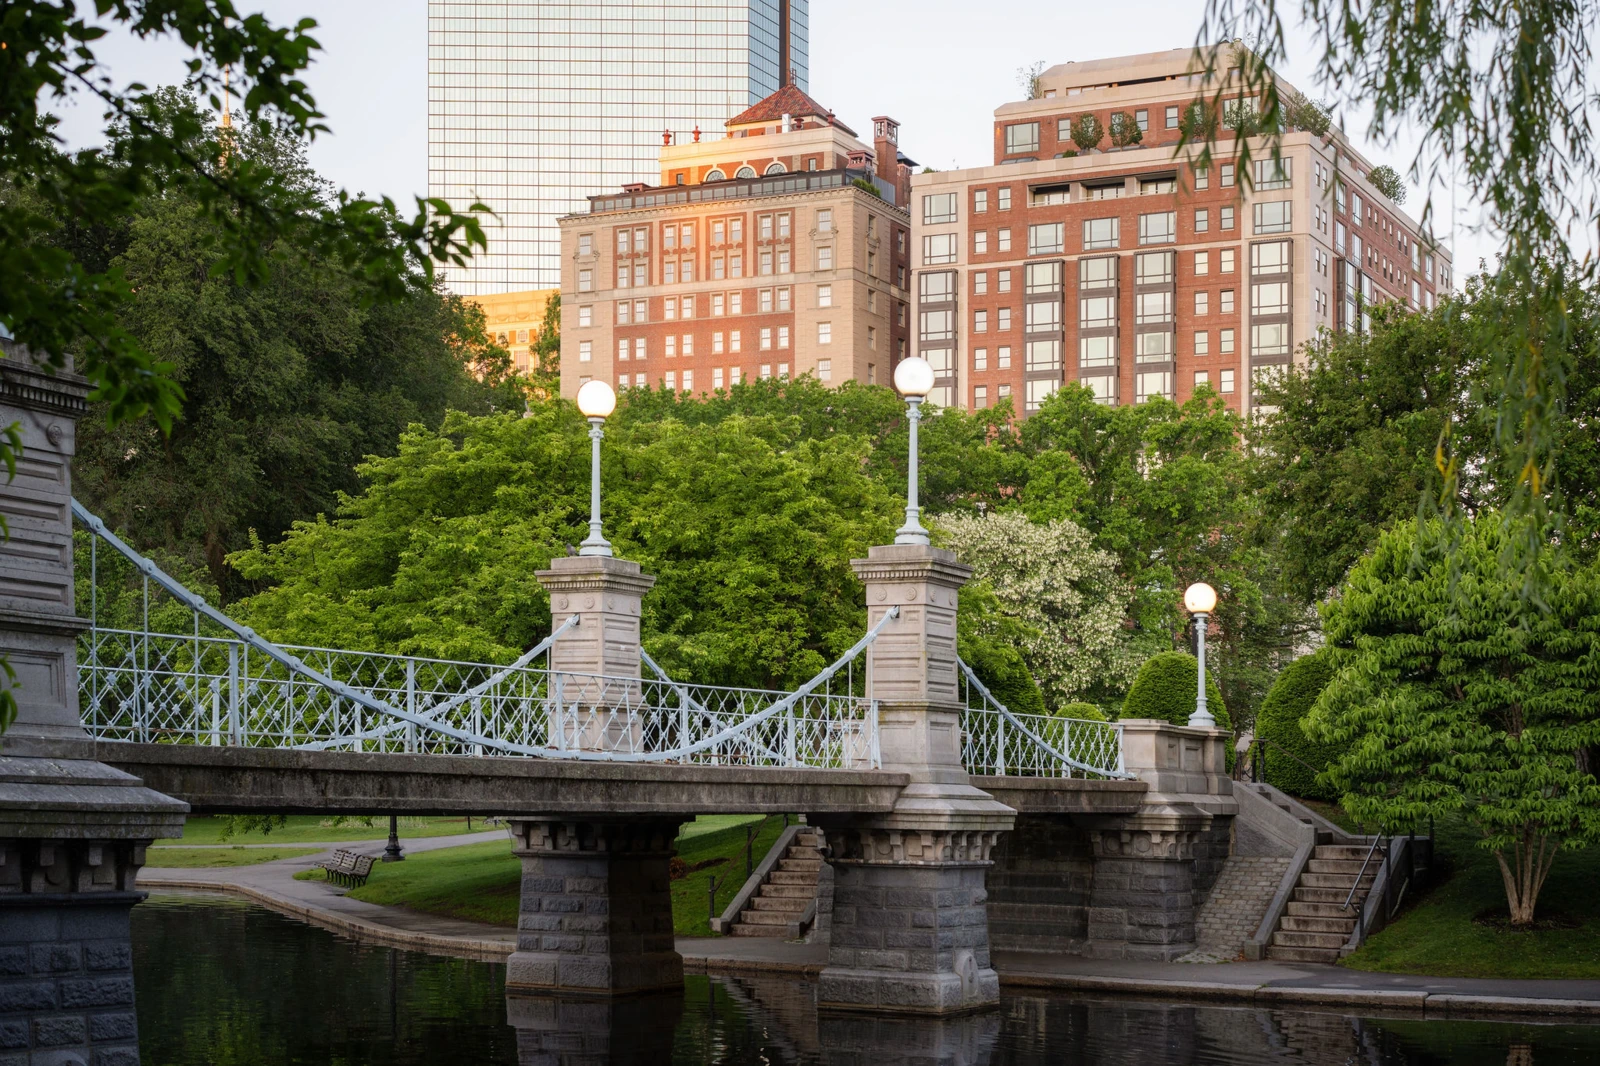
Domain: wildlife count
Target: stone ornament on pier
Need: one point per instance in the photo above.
(909, 926)
(605, 593)
(596, 912)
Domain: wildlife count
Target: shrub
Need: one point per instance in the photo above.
(1087, 131)
(1278, 721)
(1086, 711)
(1165, 689)
(1302, 113)
(1388, 182)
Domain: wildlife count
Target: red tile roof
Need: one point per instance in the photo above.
(790, 101)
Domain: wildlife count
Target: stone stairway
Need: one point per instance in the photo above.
(1315, 924)
(786, 893)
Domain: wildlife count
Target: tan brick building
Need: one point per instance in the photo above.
(778, 250)
(513, 320)
(1132, 270)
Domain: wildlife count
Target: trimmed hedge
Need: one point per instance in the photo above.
(1087, 711)
(1279, 721)
(1165, 689)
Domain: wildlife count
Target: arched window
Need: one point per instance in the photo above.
(746, 172)
(715, 175)
(777, 168)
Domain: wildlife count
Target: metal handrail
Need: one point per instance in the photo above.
(1376, 841)
(1005, 712)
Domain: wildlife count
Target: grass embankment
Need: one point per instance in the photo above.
(482, 882)
(177, 858)
(204, 829)
(1460, 927)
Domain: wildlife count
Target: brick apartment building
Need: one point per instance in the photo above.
(1133, 271)
(778, 250)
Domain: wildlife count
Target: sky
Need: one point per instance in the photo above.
(953, 64)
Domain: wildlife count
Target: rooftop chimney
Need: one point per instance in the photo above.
(886, 145)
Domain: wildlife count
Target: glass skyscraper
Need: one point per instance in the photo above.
(534, 105)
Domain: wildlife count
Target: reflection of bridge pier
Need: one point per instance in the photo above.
(589, 1031)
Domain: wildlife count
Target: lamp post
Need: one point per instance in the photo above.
(596, 400)
(1200, 598)
(913, 379)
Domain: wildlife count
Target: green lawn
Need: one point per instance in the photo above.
(174, 858)
(1439, 936)
(482, 882)
(204, 829)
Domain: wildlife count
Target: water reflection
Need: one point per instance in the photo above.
(221, 981)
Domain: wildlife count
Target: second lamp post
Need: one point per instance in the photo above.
(913, 379)
(1201, 599)
(596, 401)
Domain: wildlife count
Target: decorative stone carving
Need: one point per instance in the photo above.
(912, 847)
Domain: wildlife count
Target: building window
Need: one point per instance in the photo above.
(716, 378)
(1202, 263)
(688, 307)
(766, 338)
(938, 208)
(1141, 118)
(824, 332)
(1022, 137)
(1273, 217)
(1003, 319)
(1004, 240)
(1272, 173)
(1097, 312)
(1153, 268)
(1227, 217)
(980, 397)
(1048, 238)
(1040, 391)
(980, 242)
(1227, 380)
(824, 369)
(980, 283)
(1153, 307)
(1271, 257)
(1003, 198)
(718, 268)
(1202, 219)
(825, 258)
(1105, 192)
(938, 248)
(585, 351)
(783, 337)
(1157, 187)
(1151, 385)
(586, 316)
(980, 201)
(1269, 338)
(1002, 357)
(1097, 351)
(585, 244)
(734, 345)
(824, 295)
(672, 346)
(1172, 116)
(980, 359)
(716, 344)
(783, 259)
(1003, 281)
(688, 344)
(1202, 343)
(735, 375)
(1227, 256)
(980, 321)
(624, 237)
(1202, 177)
(1227, 301)
(1227, 175)
(1202, 303)
(1226, 342)
(1101, 232)
(585, 280)
(824, 220)
(766, 371)
(1160, 227)
(783, 371)
(783, 298)
(688, 381)
(1202, 377)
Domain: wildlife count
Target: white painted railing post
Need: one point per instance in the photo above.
(233, 693)
(411, 704)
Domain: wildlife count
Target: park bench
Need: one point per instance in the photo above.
(347, 868)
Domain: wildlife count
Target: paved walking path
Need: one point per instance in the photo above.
(1261, 983)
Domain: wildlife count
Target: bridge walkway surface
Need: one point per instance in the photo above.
(1263, 983)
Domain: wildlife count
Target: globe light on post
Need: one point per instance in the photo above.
(596, 401)
(1201, 599)
(913, 379)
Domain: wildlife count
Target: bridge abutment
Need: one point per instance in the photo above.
(909, 929)
(596, 910)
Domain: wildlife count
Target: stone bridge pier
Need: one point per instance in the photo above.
(73, 830)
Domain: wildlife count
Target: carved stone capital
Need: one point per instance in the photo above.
(1168, 844)
(567, 837)
(33, 868)
(875, 846)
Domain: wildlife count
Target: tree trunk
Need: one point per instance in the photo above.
(1524, 875)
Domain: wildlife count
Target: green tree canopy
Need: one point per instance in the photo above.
(1293, 760)
(1166, 686)
(1455, 694)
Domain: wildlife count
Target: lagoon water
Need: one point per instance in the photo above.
(221, 982)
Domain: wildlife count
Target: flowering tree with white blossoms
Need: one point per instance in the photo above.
(1051, 578)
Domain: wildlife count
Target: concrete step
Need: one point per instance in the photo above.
(810, 866)
(805, 892)
(786, 904)
(1358, 852)
(775, 931)
(798, 851)
(793, 877)
(1283, 938)
(1344, 881)
(1279, 954)
(1296, 909)
(750, 917)
(1293, 923)
(1302, 894)
(1343, 867)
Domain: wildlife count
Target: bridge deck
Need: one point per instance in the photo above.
(231, 780)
